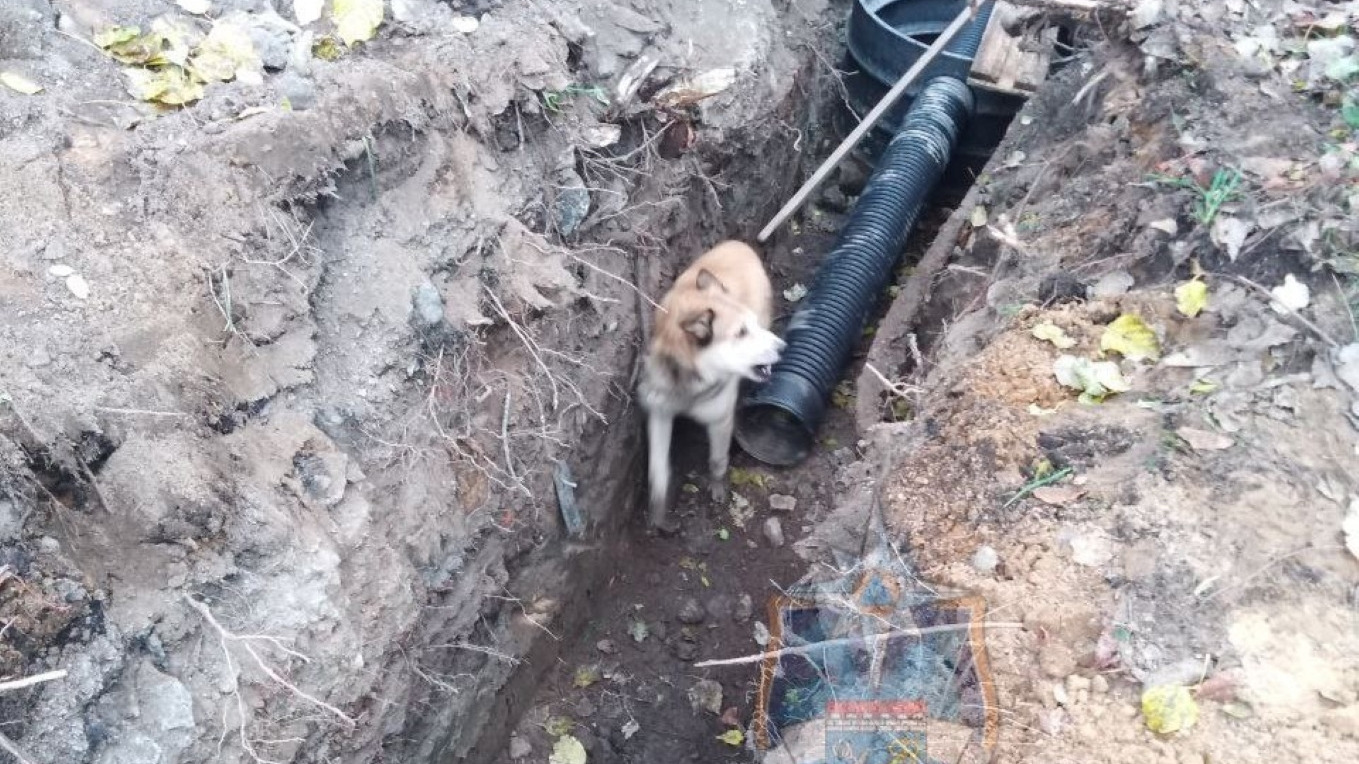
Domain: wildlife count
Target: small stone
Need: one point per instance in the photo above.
(606, 646)
(706, 695)
(745, 608)
(782, 503)
(520, 748)
(1056, 660)
(60, 270)
(1112, 284)
(300, 91)
(428, 305)
(1076, 682)
(773, 532)
(1060, 695)
(985, 559)
(718, 607)
(37, 358)
(690, 612)
(49, 545)
(465, 24)
(1099, 684)
(78, 286)
(686, 651)
(761, 634)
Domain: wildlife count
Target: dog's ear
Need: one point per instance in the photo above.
(700, 326)
(706, 281)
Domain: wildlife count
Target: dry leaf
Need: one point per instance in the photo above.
(690, 90)
(1204, 440)
(170, 85)
(356, 20)
(228, 53)
(1052, 333)
(1191, 297)
(19, 83)
(1230, 234)
(1169, 708)
(1130, 337)
(1094, 379)
(568, 750)
(1290, 296)
(732, 737)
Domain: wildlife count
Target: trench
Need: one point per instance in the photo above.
(649, 608)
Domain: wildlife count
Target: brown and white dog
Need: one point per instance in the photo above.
(711, 331)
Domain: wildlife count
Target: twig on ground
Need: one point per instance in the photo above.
(899, 389)
(803, 649)
(29, 681)
(12, 748)
(140, 412)
(504, 435)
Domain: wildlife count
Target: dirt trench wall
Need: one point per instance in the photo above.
(292, 382)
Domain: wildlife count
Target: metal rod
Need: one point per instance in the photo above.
(886, 103)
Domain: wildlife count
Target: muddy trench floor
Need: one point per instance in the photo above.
(621, 686)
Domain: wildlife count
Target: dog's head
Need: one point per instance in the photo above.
(724, 337)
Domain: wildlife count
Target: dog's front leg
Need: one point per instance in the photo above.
(719, 450)
(659, 426)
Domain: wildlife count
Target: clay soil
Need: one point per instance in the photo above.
(287, 375)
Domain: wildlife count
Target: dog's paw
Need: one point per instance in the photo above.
(718, 491)
(663, 528)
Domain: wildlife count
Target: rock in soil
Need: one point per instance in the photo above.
(706, 695)
(773, 532)
(690, 613)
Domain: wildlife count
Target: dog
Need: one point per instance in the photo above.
(710, 332)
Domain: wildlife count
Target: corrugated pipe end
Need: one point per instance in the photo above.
(777, 424)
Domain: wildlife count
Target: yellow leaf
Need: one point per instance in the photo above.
(356, 20)
(19, 83)
(1095, 380)
(1130, 337)
(1191, 297)
(1169, 708)
(227, 53)
(171, 86)
(129, 46)
(327, 48)
(1053, 333)
(732, 737)
(568, 750)
(1202, 386)
(116, 36)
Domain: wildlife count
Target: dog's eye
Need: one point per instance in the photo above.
(744, 331)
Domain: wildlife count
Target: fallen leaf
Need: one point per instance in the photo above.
(1204, 440)
(19, 83)
(171, 85)
(356, 20)
(568, 749)
(1290, 296)
(1094, 379)
(307, 11)
(732, 737)
(1202, 386)
(327, 48)
(1169, 708)
(585, 676)
(79, 287)
(1058, 495)
(1036, 410)
(196, 7)
(978, 217)
(630, 728)
(129, 46)
(638, 630)
(1053, 333)
(742, 478)
(690, 90)
(559, 725)
(1351, 528)
(1130, 337)
(1220, 687)
(228, 53)
(724, 534)
(1191, 297)
(1167, 226)
(1230, 233)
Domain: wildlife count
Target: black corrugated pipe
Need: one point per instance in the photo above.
(777, 423)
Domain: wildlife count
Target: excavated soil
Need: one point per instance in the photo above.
(287, 375)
